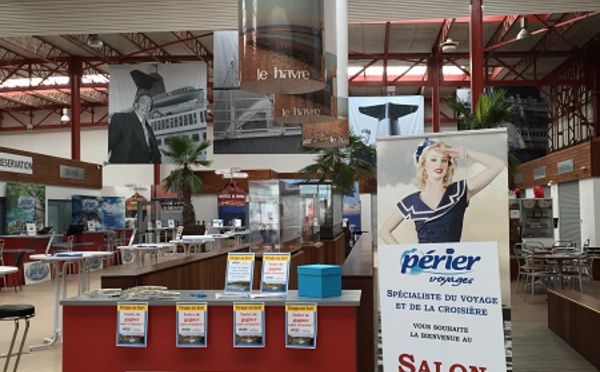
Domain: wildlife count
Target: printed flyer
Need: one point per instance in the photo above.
(441, 307)
(249, 324)
(240, 270)
(191, 324)
(275, 272)
(132, 324)
(301, 325)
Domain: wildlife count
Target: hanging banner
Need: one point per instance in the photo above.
(151, 102)
(374, 117)
(243, 121)
(231, 201)
(275, 272)
(441, 307)
(301, 325)
(25, 203)
(448, 188)
(248, 324)
(191, 324)
(132, 324)
(240, 270)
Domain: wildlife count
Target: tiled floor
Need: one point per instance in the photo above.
(535, 348)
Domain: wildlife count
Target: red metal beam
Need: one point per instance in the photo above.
(503, 29)
(363, 69)
(75, 68)
(146, 45)
(476, 50)
(434, 71)
(52, 126)
(192, 42)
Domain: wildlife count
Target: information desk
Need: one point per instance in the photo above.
(90, 325)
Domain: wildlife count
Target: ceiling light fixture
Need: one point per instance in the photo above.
(65, 116)
(524, 33)
(449, 46)
(94, 41)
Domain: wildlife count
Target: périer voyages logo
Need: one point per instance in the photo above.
(443, 267)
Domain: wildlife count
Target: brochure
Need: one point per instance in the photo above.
(275, 272)
(240, 271)
(301, 325)
(191, 324)
(132, 324)
(249, 324)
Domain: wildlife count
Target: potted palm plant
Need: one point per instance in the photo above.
(343, 166)
(491, 111)
(183, 180)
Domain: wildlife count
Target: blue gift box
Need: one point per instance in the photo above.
(319, 281)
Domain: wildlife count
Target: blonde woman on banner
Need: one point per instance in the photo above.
(438, 209)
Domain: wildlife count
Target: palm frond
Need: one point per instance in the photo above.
(343, 166)
(184, 153)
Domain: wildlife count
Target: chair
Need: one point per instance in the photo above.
(68, 248)
(535, 271)
(126, 255)
(2, 260)
(110, 242)
(16, 313)
(1, 252)
(16, 278)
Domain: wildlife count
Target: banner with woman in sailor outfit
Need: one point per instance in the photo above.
(443, 250)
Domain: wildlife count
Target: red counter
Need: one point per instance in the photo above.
(90, 342)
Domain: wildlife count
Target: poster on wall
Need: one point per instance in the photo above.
(25, 203)
(441, 307)
(374, 117)
(105, 212)
(151, 102)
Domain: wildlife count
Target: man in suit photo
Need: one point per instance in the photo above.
(131, 139)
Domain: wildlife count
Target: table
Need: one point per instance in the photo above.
(5, 270)
(218, 238)
(559, 258)
(166, 230)
(58, 262)
(140, 251)
(238, 235)
(192, 241)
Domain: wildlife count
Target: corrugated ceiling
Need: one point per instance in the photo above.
(53, 17)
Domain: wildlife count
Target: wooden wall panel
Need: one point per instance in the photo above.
(582, 166)
(335, 250)
(46, 171)
(575, 317)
